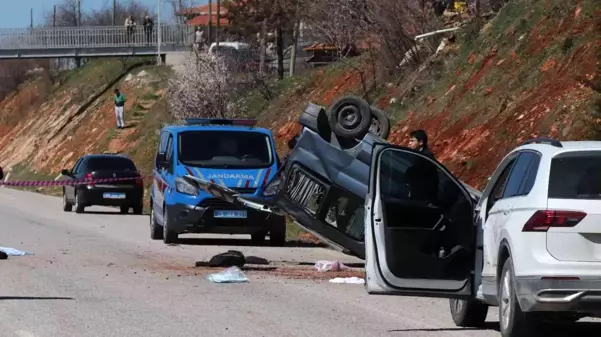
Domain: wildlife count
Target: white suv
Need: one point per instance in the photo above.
(531, 245)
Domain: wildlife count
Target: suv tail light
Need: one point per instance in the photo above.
(541, 221)
(139, 181)
(89, 178)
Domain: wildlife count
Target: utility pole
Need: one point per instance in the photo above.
(262, 45)
(54, 17)
(114, 12)
(294, 41)
(218, 19)
(210, 32)
(31, 18)
(78, 13)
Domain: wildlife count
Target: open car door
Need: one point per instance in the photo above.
(420, 238)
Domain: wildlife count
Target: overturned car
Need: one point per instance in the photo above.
(325, 178)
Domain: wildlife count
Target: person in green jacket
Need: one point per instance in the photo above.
(119, 104)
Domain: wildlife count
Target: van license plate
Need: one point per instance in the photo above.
(114, 195)
(230, 214)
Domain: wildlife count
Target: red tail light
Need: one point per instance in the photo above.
(139, 181)
(88, 177)
(541, 221)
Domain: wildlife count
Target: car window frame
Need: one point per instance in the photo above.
(518, 157)
(507, 164)
(169, 155)
(76, 166)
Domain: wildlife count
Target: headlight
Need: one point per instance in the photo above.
(185, 187)
(272, 188)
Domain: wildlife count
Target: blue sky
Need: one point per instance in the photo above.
(16, 13)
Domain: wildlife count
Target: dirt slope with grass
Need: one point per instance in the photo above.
(534, 70)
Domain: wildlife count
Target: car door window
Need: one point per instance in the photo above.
(427, 217)
(497, 192)
(517, 175)
(169, 154)
(531, 174)
(76, 166)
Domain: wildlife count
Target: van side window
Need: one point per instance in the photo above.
(169, 153)
(163, 142)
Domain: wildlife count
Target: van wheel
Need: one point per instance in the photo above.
(156, 231)
(468, 313)
(350, 117)
(277, 231)
(513, 321)
(169, 236)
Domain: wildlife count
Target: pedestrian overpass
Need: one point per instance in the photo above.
(111, 41)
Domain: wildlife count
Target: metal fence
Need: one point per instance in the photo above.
(93, 37)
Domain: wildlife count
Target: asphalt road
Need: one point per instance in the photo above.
(99, 274)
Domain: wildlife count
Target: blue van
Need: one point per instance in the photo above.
(230, 153)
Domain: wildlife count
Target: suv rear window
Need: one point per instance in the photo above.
(110, 164)
(224, 149)
(576, 175)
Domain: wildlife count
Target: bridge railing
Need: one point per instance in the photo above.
(93, 37)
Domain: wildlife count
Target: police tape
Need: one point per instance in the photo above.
(57, 183)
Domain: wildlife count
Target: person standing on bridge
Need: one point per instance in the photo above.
(130, 23)
(148, 26)
(119, 106)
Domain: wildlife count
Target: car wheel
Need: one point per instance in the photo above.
(258, 238)
(468, 313)
(169, 236)
(156, 231)
(277, 231)
(513, 321)
(138, 209)
(124, 209)
(79, 207)
(350, 117)
(67, 206)
(380, 123)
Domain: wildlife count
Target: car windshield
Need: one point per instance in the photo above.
(576, 175)
(223, 149)
(110, 164)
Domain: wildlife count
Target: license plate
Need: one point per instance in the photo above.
(304, 191)
(114, 195)
(229, 214)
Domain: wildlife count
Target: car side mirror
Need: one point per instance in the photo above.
(161, 160)
(66, 172)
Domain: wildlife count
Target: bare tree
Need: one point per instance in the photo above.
(202, 87)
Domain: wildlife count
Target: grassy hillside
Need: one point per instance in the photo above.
(531, 71)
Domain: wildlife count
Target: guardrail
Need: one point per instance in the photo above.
(93, 37)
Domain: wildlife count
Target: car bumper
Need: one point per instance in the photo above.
(94, 195)
(535, 294)
(185, 218)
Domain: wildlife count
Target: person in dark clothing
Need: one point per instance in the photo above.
(419, 142)
(148, 26)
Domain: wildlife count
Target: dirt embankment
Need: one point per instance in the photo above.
(529, 72)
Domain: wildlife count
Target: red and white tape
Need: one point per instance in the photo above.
(45, 183)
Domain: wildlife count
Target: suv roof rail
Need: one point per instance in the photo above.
(543, 140)
(221, 121)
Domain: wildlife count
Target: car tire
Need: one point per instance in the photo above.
(513, 322)
(124, 209)
(169, 236)
(67, 206)
(350, 117)
(156, 230)
(277, 231)
(139, 209)
(380, 123)
(258, 238)
(79, 207)
(468, 313)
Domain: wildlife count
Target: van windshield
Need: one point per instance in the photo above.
(576, 175)
(224, 149)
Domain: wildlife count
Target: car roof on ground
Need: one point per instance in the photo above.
(215, 127)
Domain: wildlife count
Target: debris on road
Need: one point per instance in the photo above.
(348, 280)
(323, 266)
(232, 258)
(230, 275)
(14, 252)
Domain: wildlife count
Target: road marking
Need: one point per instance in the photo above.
(23, 333)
